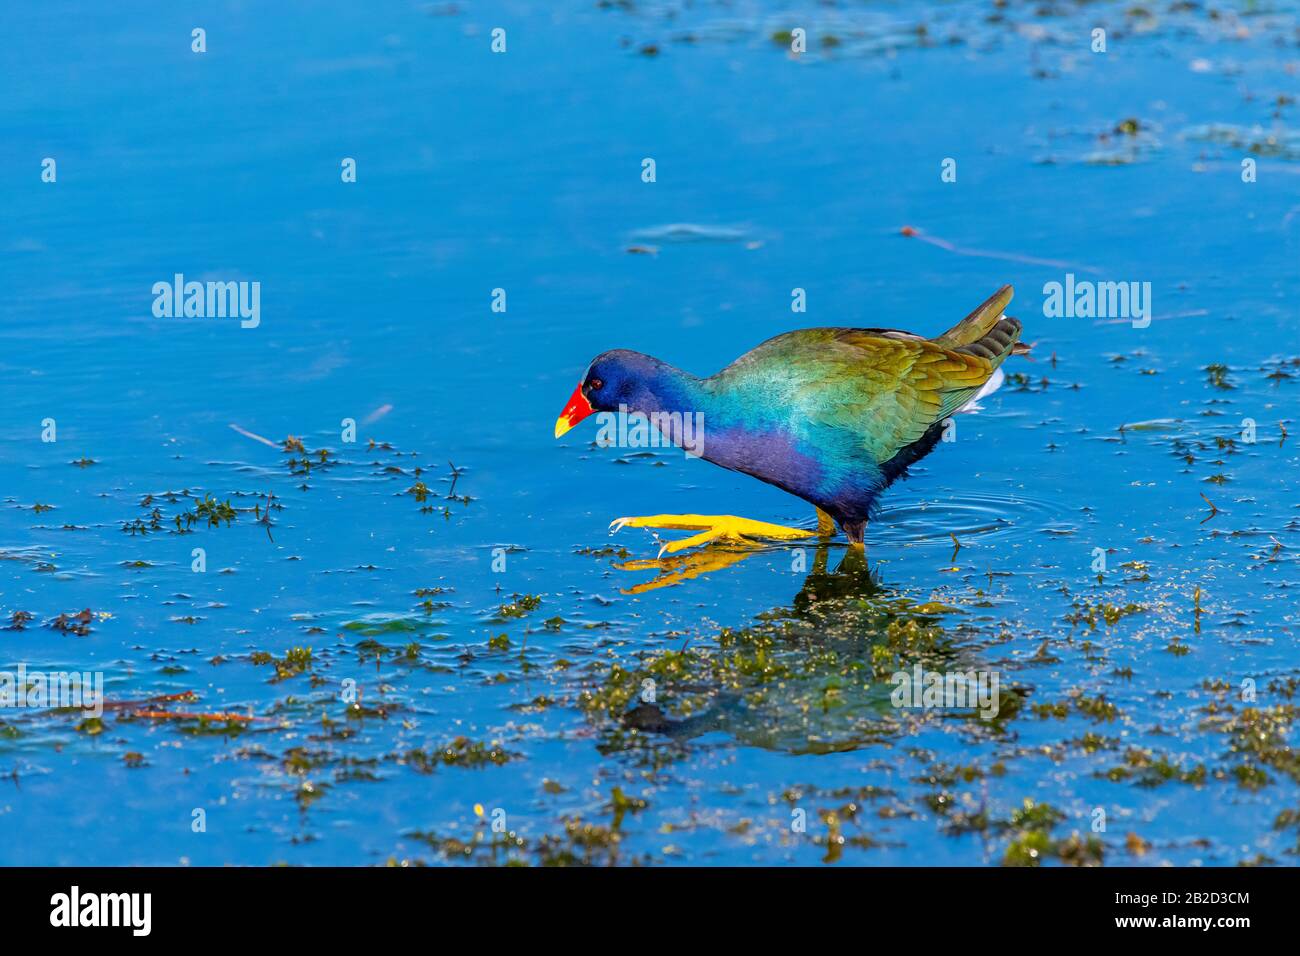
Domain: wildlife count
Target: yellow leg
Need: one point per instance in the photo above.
(825, 524)
(710, 528)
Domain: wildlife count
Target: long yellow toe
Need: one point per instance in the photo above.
(710, 528)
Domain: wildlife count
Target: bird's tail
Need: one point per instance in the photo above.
(999, 342)
(983, 320)
(986, 332)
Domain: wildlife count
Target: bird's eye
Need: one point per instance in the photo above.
(596, 384)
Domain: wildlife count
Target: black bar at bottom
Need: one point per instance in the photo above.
(332, 905)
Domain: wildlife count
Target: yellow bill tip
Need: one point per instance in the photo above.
(575, 411)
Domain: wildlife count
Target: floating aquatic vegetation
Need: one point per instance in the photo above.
(18, 621)
(1259, 737)
(460, 752)
(205, 512)
(78, 623)
(518, 606)
(1218, 374)
(296, 661)
(576, 842)
(1127, 143)
(1145, 768)
(1102, 612)
(810, 678)
(1275, 143)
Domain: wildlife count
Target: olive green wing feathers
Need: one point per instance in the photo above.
(892, 387)
(901, 388)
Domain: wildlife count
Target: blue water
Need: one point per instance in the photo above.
(521, 171)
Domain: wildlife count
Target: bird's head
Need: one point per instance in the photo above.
(614, 379)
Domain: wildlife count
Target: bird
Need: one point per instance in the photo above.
(831, 415)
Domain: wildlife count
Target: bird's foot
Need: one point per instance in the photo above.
(710, 528)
